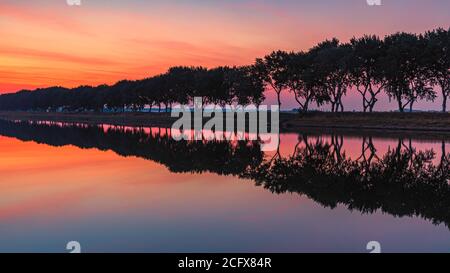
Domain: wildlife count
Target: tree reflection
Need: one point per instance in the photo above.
(402, 182)
(227, 158)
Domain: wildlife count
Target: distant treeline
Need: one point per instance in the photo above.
(407, 67)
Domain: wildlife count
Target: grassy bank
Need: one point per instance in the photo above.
(418, 122)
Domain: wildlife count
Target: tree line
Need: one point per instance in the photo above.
(221, 85)
(406, 67)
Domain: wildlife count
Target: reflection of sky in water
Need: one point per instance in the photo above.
(50, 195)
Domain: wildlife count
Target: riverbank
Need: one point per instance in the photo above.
(386, 121)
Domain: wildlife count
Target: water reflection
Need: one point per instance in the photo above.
(403, 180)
(154, 144)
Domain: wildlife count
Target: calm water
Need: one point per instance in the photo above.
(116, 189)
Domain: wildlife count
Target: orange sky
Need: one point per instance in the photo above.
(47, 42)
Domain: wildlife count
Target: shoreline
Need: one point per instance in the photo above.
(427, 123)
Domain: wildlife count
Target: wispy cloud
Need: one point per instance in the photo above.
(55, 56)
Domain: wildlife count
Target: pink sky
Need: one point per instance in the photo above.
(47, 42)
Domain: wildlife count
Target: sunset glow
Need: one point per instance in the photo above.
(224, 135)
(47, 42)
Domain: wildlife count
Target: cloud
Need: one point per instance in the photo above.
(55, 56)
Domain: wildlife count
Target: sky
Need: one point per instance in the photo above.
(48, 42)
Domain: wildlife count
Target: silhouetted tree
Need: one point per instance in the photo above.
(303, 81)
(437, 61)
(367, 70)
(406, 78)
(247, 85)
(273, 67)
(333, 64)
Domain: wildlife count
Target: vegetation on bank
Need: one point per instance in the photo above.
(379, 123)
(407, 67)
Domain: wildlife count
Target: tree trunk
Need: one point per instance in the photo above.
(364, 102)
(301, 107)
(306, 105)
(444, 101)
(279, 100)
(372, 102)
(444, 154)
(400, 105)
